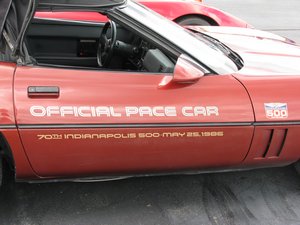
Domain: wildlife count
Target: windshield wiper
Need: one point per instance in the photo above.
(226, 50)
(223, 48)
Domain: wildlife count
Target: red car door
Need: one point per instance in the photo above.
(85, 122)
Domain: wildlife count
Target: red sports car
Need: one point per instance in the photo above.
(141, 95)
(184, 12)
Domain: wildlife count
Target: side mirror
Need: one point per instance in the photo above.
(186, 71)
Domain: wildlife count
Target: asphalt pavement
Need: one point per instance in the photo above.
(258, 197)
(267, 196)
(277, 16)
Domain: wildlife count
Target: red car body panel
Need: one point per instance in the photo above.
(22, 168)
(271, 147)
(240, 98)
(7, 119)
(261, 90)
(69, 157)
(102, 122)
(270, 74)
(172, 10)
(6, 79)
(273, 144)
(134, 156)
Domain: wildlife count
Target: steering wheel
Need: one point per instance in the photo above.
(106, 44)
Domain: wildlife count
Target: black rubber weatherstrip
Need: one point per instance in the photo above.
(146, 125)
(133, 125)
(287, 123)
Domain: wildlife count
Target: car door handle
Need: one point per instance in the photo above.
(43, 92)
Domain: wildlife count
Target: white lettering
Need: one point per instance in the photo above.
(145, 111)
(130, 111)
(38, 111)
(170, 111)
(212, 110)
(66, 110)
(52, 110)
(84, 111)
(102, 111)
(185, 111)
(158, 111)
(113, 113)
(199, 110)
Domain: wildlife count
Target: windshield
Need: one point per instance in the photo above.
(187, 41)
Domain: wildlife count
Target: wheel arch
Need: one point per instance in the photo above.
(211, 21)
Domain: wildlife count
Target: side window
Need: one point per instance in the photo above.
(101, 45)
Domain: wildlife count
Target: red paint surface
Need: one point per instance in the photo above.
(273, 89)
(138, 155)
(119, 89)
(290, 151)
(6, 93)
(268, 89)
(23, 168)
(7, 117)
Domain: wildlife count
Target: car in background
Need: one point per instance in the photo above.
(185, 13)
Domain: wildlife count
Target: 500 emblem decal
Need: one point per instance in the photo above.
(127, 111)
(276, 110)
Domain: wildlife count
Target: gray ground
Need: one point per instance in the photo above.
(278, 16)
(268, 196)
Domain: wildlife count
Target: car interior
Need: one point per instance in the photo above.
(89, 45)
